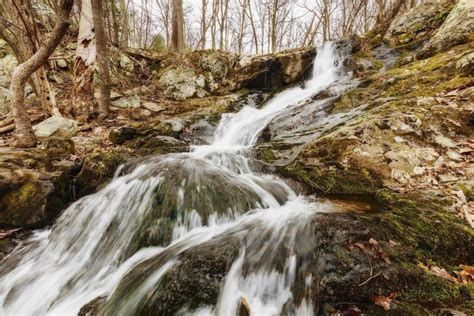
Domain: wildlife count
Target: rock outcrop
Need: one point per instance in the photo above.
(31, 193)
(425, 150)
(457, 29)
(419, 23)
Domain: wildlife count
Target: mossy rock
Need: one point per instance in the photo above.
(193, 188)
(380, 254)
(35, 203)
(98, 167)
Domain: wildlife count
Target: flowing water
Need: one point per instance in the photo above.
(121, 242)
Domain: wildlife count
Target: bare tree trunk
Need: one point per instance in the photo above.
(242, 25)
(24, 136)
(273, 24)
(177, 36)
(124, 24)
(102, 59)
(203, 23)
(115, 23)
(215, 9)
(83, 90)
(252, 24)
(23, 36)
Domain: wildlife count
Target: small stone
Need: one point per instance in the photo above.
(152, 106)
(120, 135)
(400, 175)
(98, 130)
(443, 178)
(419, 170)
(145, 112)
(399, 139)
(57, 126)
(444, 141)
(61, 63)
(128, 102)
(454, 155)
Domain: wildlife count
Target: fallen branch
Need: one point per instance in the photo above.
(11, 127)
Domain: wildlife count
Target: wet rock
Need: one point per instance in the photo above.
(93, 307)
(190, 191)
(457, 29)
(57, 126)
(158, 145)
(271, 71)
(98, 168)
(119, 135)
(195, 281)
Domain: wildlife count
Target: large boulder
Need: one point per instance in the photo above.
(31, 193)
(418, 23)
(457, 29)
(98, 168)
(57, 126)
(271, 71)
(181, 83)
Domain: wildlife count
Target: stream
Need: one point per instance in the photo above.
(144, 228)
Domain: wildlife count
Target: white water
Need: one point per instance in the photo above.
(84, 255)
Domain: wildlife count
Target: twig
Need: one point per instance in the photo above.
(372, 277)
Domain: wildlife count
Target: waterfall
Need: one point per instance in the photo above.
(94, 245)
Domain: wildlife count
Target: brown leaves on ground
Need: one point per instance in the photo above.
(383, 301)
(371, 248)
(464, 276)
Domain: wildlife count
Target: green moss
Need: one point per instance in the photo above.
(98, 167)
(266, 154)
(432, 289)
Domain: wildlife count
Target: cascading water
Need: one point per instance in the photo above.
(97, 248)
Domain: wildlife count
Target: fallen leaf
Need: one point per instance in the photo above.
(383, 301)
(466, 275)
(353, 311)
(441, 272)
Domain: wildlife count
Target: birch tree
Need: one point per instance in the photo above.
(83, 90)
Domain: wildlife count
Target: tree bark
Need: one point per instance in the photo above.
(124, 24)
(203, 24)
(24, 136)
(102, 58)
(177, 32)
(83, 90)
